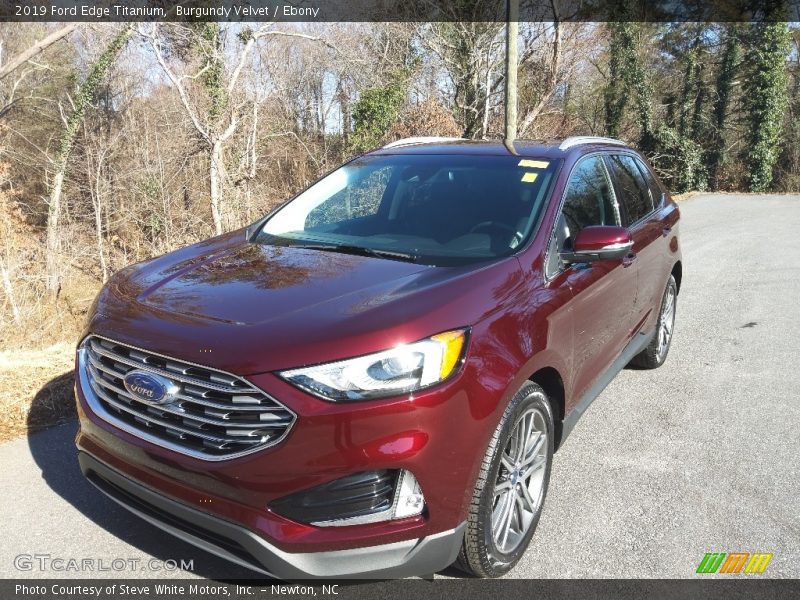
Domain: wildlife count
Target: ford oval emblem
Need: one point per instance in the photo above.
(150, 388)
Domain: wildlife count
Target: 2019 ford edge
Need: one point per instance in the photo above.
(372, 380)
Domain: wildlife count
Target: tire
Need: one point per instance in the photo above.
(654, 355)
(485, 552)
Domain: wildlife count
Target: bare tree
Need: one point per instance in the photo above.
(552, 76)
(36, 48)
(470, 54)
(224, 103)
(98, 153)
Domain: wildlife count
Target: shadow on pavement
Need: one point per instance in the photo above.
(55, 454)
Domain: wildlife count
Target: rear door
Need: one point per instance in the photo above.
(638, 215)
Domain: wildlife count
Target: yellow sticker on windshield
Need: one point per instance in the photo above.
(533, 164)
(529, 177)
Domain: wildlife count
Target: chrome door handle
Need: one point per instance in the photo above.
(628, 260)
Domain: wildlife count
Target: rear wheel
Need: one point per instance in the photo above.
(656, 352)
(511, 487)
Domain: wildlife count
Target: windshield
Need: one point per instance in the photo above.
(433, 209)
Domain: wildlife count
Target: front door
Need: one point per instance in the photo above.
(603, 292)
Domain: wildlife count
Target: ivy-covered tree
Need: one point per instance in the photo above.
(766, 100)
(689, 95)
(376, 111)
(622, 53)
(679, 141)
(726, 75)
(210, 45)
(80, 103)
(788, 172)
(627, 75)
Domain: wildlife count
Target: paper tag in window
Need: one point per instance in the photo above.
(533, 164)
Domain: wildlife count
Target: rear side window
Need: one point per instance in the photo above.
(589, 199)
(631, 187)
(652, 184)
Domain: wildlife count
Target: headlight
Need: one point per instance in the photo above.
(401, 370)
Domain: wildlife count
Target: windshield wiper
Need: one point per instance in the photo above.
(360, 251)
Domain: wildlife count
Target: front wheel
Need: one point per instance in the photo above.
(511, 486)
(656, 352)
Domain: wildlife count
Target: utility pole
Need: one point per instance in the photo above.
(512, 30)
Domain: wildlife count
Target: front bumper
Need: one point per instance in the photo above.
(242, 546)
(434, 435)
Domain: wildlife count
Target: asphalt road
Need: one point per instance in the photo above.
(702, 455)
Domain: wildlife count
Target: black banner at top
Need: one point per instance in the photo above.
(398, 10)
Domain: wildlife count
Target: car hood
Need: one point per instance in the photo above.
(249, 308)
(252, 284)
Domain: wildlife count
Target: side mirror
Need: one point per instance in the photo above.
(599, 242)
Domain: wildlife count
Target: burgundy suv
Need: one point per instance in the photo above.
(372, 380)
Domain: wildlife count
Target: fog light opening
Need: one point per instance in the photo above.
(356, 499)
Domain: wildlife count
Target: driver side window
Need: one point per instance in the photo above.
(588, 200)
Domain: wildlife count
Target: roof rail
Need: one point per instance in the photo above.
(421, 140)
(588, 139)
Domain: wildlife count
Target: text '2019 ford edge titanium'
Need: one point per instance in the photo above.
(372, 380)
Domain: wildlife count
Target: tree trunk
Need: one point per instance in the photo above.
(9, 291)
(344, 103)
(766, 100)
(82, 100)
(98, 219)
(725, 80)
(98, 226)
(53, 246)
(487, 87)
(36, 48)
(215, 176)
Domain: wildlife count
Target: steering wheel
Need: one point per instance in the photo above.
(513, 242)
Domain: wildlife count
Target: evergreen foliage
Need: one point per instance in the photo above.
(377, 110)
(766, 100)
(724, 90)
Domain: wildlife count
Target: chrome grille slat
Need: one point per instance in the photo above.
(148, 367)
(154, 421)
(250, 406)
(213, 415)
(181, 412)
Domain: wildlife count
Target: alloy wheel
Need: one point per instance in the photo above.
(520, 482)
(666, 322)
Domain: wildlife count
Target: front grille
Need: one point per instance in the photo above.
(214, 415)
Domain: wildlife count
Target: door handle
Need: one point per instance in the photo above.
(666, 230)
(627, 261)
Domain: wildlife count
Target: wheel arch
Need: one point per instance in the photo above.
(677, 273)
(550, 380)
